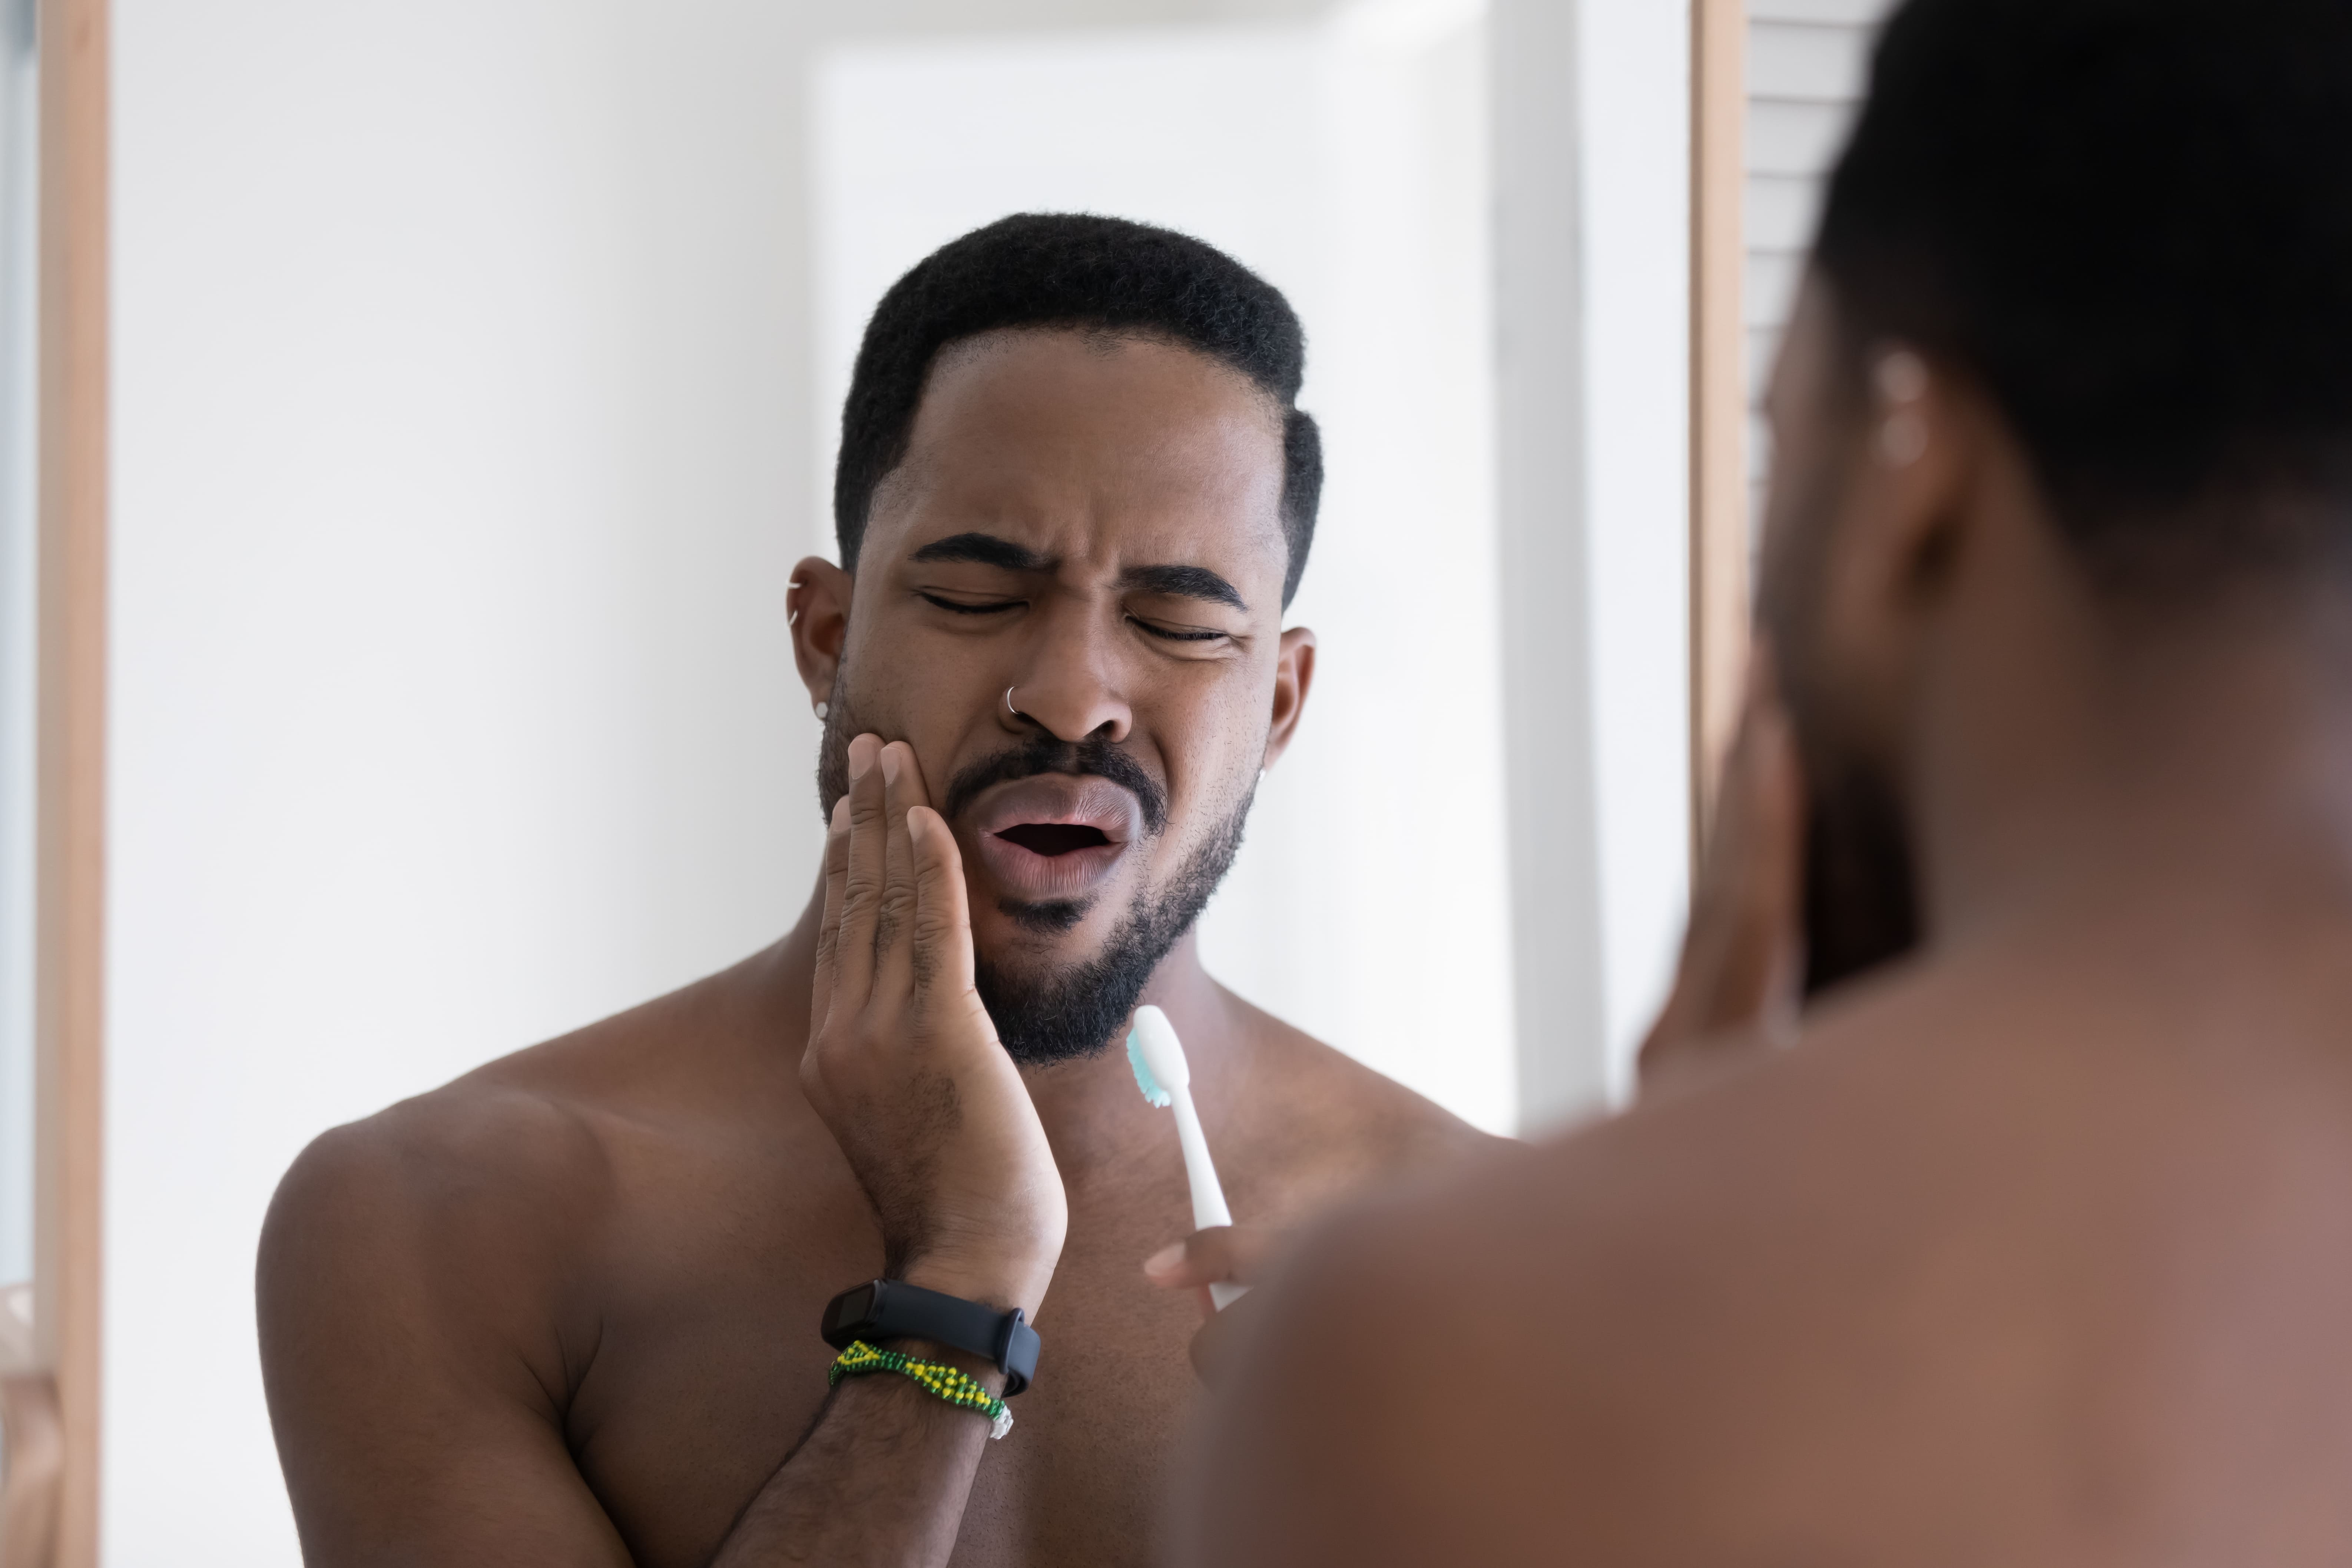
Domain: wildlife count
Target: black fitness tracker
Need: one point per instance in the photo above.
(892, 1309)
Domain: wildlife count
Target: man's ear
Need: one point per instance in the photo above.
(818, 604)
(1294, 672)
(1909, 517)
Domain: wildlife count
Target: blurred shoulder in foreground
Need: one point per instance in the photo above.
(2032, 1247)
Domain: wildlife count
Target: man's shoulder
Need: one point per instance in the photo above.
(1764, 1137)
(1536, 1317)
(455, 1172)
(526, 1142)
(1782, 1283)
(1325, 1098)
(1782, 1187)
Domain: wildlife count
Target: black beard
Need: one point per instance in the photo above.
(1072, 1012)
(1075, 1012)
(1862, 906)
(1860, 891)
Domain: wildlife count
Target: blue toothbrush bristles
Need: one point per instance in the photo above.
(1143, 1078)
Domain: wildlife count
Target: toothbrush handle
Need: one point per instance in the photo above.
(1209, 1208)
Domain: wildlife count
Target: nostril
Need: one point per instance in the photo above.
(1054, 837)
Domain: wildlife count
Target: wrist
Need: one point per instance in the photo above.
(905, 1318)
(1002, 1283)
(979, 1367)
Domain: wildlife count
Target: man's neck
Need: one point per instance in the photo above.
(1091, 1105)
(2207, 769)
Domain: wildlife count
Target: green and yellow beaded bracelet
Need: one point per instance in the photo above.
(952, 1383)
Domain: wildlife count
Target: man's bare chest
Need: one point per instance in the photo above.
(704, 1368)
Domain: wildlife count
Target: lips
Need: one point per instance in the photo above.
(1053, 835)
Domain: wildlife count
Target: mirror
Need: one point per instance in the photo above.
(471, 404)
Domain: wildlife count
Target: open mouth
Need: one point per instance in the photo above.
(1052, 836)
(1053, 840)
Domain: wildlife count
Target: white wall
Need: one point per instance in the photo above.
(1591, 170)
(1344, 160)
(457, 400)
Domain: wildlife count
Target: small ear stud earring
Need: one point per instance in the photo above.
(1902, 376)
(825, 710)
(1902, 380)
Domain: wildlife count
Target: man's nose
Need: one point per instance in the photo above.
(1067, 688)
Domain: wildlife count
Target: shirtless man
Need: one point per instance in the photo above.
(2036, 1246)
(566, 1310)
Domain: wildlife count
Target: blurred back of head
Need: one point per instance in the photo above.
(2131, 221)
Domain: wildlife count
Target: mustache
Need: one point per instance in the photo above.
(1047, 754)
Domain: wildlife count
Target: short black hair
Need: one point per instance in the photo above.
(1090, 274)
(2130, 221)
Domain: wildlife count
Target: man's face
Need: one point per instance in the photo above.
(1861, 900)
(1068, 601)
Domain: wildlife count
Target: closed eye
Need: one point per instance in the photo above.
(1175, 634)
(960, 607)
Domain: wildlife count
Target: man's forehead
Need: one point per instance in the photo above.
(1078, 446)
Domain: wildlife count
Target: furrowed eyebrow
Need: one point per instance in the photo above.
(1183, 583)
(983, 550)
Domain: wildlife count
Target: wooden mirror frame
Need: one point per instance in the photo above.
(50, 1397)
(1719, 527)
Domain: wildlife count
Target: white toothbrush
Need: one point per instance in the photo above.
(1165, 1078)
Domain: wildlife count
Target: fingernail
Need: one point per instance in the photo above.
(841, 814)
(1165, 1260)
(861, 757)
(889, 766)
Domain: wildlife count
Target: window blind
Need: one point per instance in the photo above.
(1808, 61)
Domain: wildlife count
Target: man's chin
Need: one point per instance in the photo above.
(1048, 1013)
(1061, 985)
(1059, 995)
(1042, 964)
(1050, 918)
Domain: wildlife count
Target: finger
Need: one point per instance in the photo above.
(1224, 1254)
(941, 953)
(861, 888)
(1216, 1340)
(1759, 874)
(894, 931)
(1745, 916)
(828, 931)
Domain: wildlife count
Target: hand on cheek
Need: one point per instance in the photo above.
(903, 1063)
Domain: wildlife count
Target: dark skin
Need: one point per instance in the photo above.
(564, 1310)
(2031, 1247)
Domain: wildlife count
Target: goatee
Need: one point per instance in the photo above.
(1076, 1012)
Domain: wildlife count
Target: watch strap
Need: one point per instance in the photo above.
(891, 1309)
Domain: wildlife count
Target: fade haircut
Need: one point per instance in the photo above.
(2130, 221)
(1088, 274)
